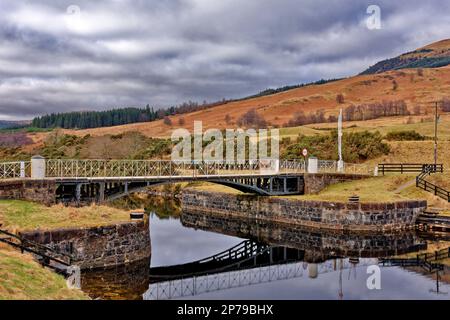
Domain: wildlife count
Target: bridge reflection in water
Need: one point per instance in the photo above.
(245, 275)
(272, 253)
(287, 253)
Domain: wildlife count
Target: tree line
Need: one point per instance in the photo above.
(114, 117)
(353, 113)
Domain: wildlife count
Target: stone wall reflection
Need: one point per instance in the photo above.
(318, 245)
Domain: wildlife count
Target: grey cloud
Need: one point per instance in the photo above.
(130, 53)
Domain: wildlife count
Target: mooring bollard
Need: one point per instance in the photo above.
(353, 199)
(137, 215)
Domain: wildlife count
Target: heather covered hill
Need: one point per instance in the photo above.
(434, 55)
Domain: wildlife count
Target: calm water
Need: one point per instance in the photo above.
(302, 264)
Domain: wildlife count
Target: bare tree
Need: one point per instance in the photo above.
(446, 105)
(227, 119)
(167, 121)
(340, 98)
(394, 85)
(252, 118)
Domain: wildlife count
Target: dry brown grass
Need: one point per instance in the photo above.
(415, 152)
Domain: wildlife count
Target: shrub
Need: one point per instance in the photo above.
(406, 135)
(357, 146)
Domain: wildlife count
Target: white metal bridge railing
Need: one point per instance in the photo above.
(154, 168)
(16, 169)
(71, 168)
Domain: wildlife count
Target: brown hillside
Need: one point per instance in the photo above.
(413, 87)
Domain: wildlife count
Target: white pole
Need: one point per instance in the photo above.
(340, 162)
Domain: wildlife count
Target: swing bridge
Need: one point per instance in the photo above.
(103, 180)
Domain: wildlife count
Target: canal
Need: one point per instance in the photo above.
(199, 257)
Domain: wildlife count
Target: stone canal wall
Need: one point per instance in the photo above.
(99, 247)
(319, 214)
(42, 191)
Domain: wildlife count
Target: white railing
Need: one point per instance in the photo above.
(155, 168)
(16, 169)
(292, 166)
(68, 168)
(358, 168)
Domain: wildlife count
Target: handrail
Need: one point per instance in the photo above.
(36, 248)
(430, 187)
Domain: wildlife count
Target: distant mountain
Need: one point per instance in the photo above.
(7, 124)
(434, 55)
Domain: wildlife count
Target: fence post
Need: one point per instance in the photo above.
(37, 167)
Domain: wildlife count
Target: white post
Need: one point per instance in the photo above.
(313, 165)
(340, 164)
(74, 277)
(276, 165)
(37, 167)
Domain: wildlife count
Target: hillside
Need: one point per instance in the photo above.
(431, 56)
(411, 87)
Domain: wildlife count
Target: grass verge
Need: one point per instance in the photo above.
(22, 278)
(24, 215)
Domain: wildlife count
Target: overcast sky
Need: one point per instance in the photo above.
(58, 56)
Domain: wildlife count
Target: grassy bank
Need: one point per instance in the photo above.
(22, 278)
(23, 215)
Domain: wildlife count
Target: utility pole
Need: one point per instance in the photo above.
(436, 118)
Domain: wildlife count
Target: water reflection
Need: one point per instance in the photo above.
(201, 257)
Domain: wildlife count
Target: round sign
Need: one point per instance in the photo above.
(305, 152)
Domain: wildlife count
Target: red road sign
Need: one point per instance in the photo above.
(305, 152)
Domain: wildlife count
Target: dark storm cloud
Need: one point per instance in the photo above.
(55, 58)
